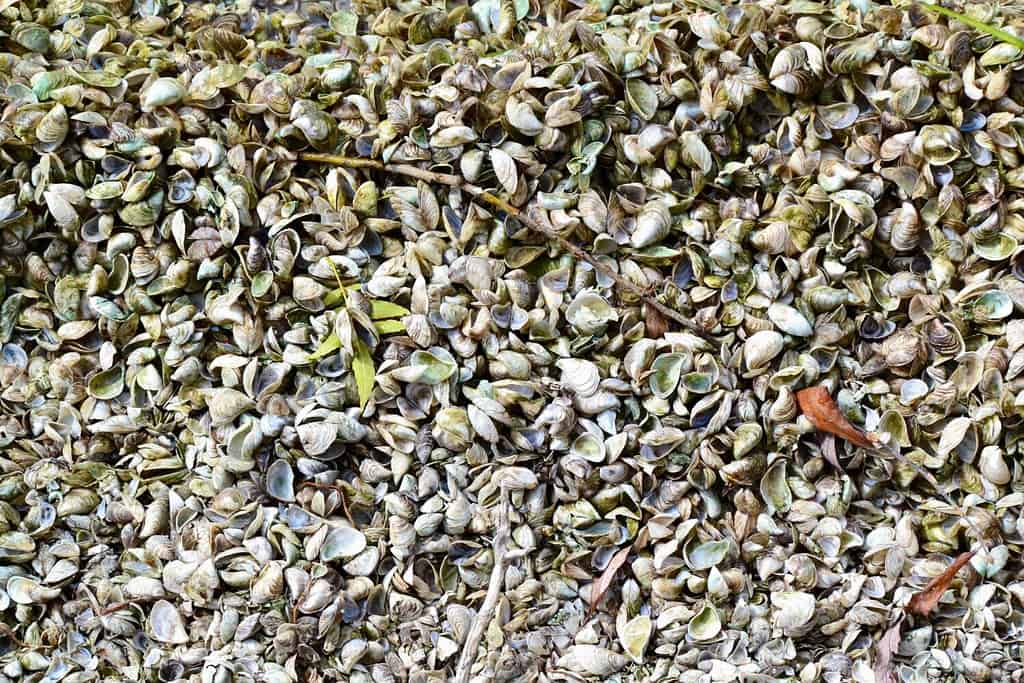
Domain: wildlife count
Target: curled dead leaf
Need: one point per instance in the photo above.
(887, 646)
(825, 415)
(655, 323)
(604, 582)
(925, 600)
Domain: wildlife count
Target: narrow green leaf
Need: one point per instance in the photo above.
(329, 345)
(362, 366)
(389, 326)
(385, 309)
(337, 275)
(997, 33)
(334, 298)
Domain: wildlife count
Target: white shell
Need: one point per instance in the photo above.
(166, 624)
(579, 376)
(792, 609)
(789, 320)
(993, 466)
(342, 543)
(761, 348)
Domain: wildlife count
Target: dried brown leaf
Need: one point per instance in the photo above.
(925, 600)
(655, 323)
(604, 582)
(887, 646)
(825, 415)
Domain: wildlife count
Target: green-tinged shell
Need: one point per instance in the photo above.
(590, 313)
(427, 367)
(999, 248)
(504, 340)
(589, 447)
(775, 489)
(665, 373)
(634, 636)
(162, 92)
(705, 625)
(642, 98)
(107, 384)
(991, 306)
(32, 37)
(747, 437)
(706, 555)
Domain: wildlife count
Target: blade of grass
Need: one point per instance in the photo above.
(362, 366)
(335, 297)
(996, 33)
(329, 345)
(389, 326)
(385, 309)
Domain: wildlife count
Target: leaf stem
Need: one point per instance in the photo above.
(993, 31)
(502, 559)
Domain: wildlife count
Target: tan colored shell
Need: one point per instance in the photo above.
(499, 340)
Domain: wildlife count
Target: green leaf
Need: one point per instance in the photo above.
(389, 326)
(386, 309)
(362, 366)
(334, 298)
(997, 33)
(329, 345)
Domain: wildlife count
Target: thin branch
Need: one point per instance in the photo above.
(9, 632)
(110, 609)
(496, 202)
(502, 559)
(994, 31)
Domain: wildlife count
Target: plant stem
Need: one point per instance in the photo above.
(624, 284)
(502, 537)
(997, 33)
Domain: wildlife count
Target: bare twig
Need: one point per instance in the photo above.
(502, 559)
(624, 284)
(9, 632)
(110, 609)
